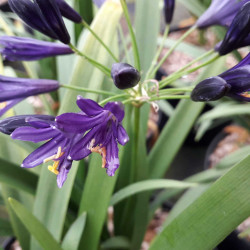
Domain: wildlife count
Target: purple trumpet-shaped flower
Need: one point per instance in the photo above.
(234, 83)
(56, 149)
(169, 6)
(68, 12)
(238, 32)
(220, 12)
(42, 15)
(99, 3)
(28, 49)
(14, 90)
(105, 131)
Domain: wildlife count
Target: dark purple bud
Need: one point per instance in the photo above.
(30, 13)
(68, 12)
(237, 32)
(52, 15)
(8, 125)
(14, 88)
(220, 12)
(43, 16)
(28, 49)
(169, 6)
(210, 89)
(124, 75)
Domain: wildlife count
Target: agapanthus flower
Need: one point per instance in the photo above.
(28, 49)
(105, 131)
(13, 90)
(68, 12)
(220, 12)
(238, 32)
(57, 147)
(99, 3)
(234, 83)
(42, 15)
(169, 6)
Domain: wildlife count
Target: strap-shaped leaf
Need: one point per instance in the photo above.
(73, 236)
(5, 228)
(210, 218)
(34, 226)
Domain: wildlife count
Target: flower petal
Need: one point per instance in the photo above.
(63, 172)
(34, 134)
(122, 135)
(78, 123)
(46, 150)
(116, 108)
(88, 106)
(112, 159)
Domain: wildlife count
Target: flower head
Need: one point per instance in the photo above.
(13, 90)
(105, 131)
(169, 6)
(42, 15)
(56, 149)
(220, 12)
(238, 32)
(28, 49)
(234, 83)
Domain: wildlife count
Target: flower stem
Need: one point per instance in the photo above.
(154, 62)
(99, 40)
(188, 32)
(98, 65)
(169, 97)
(101, 92)
(174, 77)
(132, 34)
(112, 98)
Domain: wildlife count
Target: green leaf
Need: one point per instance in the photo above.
(146, 186)
(73, 236)
(177, 128)
(147, 26)
(117, 242)
(34, 226)
(193, 6)
(212, 216)
(17, 177)
(5, 228)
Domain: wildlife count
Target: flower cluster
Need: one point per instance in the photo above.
(71, 136)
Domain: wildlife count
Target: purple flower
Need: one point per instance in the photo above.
(56, 149)
(28, 49)
(169, 6)
(234, 83)
(13, 90)
(68, 12)
(42, 15)
(220, 12)
(99, 3)
(105, 131)
(238, 32)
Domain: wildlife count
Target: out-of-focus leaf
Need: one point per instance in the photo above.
(215, 209)
(17, 177)
(5, 228)
(194, 6)
(146, 186)
(34, 226)
(73, 236)
(117, 242)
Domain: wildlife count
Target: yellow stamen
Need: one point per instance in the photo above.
(102, 152)
(55, 165)
(3, 105)
(245, 94)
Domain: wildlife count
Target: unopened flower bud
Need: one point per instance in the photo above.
(237, 32)
(210, 89)
(124, 75)
(169, 10)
